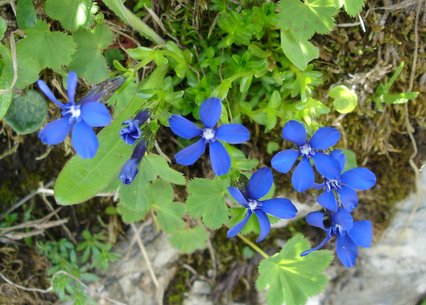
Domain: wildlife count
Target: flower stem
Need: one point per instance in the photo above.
(253, 246)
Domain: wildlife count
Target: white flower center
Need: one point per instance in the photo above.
(75, 111)
(253, 204)
(208, 134)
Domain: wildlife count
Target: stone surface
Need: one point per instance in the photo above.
(129, 281)
(393, 271)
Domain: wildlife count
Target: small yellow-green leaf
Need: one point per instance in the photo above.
(345, 100)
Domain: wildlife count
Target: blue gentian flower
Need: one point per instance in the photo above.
(258, 186)
(345, 185)
(350, 234)
(81, 117)
(303, 175)
(132, 132)
(130, 168)
(209, 134)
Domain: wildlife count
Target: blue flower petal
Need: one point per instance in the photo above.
(348, 198)
(284, 160)
(260, 183)
(359, 178)
(233, 133)
(343, 219)
(183, 127)
(303, 176)
(326, 165)
(84, 140)
(239, 226)
(131, 132)
(346, 251)
(238, 196)
(72, 85)
(220, 159)
(295, 132)
(279, 207)
(340, 157)
(210, 112)
(45, 89)
(192, 153)
(95, 114)
(362, 233)
(328, 201)
(55, 132)
(316, 219)
(264, 224)
(325, 137)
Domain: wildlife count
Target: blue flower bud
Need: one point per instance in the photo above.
(130, 168)
(129, 171)
(132, 132)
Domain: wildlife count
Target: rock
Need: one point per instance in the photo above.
(129, 280)
(200, 294)
(393, 271)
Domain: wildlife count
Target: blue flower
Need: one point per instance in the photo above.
(345, 185)
(130, 168)
(210, 112)
(258, 186)
(303, 175)
(350, 234)
(132, 132)
(81, 117)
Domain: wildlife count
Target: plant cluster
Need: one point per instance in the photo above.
(250, 66)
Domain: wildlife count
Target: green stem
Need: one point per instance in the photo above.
(253, 246)
(134, 21)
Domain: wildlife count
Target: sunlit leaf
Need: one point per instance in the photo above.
(289, 278)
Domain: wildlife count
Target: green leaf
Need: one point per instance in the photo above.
(72, 14)
(353, 7)
(27, 112)
(399, 98)
(300, 52)
(26, 16)
(169, 214)
(190, 240)
(28, 70)
(305, 18)
(88, 61)
(81, 179)
(3, 27)
(272, 147)
(207, 200)
(133, 204)
(289, 278)
(49, 49)
(154, 166)
(345, 100)
(350, 157)
(134, 21)
(5, 80)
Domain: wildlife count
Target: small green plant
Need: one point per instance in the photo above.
(70, 263)
(383, 96)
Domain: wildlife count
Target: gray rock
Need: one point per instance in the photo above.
(393, 271)
(129, 281)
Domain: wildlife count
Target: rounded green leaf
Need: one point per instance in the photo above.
(27, 112)
(345, 100)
